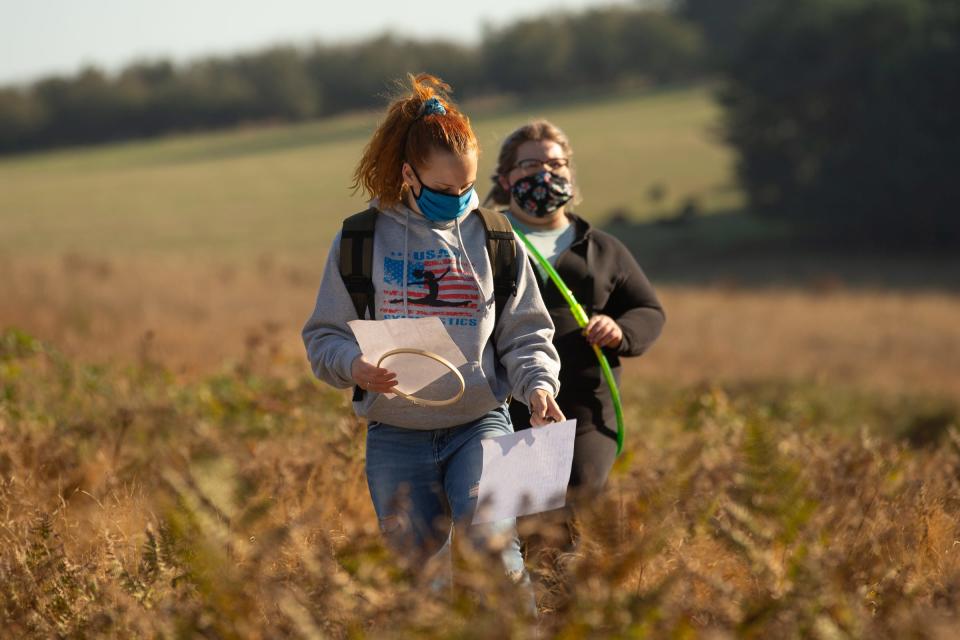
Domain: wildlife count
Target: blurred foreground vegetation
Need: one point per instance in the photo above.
(235, 506)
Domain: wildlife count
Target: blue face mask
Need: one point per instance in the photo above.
(439, 206)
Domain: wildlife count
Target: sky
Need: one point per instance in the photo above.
(44, 37)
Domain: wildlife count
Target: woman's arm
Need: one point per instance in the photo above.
(634, 306)
(331, 346)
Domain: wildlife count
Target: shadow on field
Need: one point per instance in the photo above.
(733, 248)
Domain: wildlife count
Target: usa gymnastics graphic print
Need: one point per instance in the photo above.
(436, 286)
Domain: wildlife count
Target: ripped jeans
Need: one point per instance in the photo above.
(421, 480)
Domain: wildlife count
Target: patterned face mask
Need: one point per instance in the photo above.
(542, 193)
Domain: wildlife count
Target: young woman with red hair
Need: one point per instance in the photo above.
(430, 258)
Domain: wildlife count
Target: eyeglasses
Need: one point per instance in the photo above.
(554, 164)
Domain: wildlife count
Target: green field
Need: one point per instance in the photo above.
(285, 188)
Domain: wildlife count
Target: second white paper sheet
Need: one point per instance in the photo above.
(525, 472)
(414, 372)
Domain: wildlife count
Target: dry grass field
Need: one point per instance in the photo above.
(234, 506)
(169, 469)
(196, 315)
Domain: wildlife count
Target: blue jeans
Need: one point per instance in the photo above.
(421, 480)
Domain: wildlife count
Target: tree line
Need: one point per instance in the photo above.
(551, 54)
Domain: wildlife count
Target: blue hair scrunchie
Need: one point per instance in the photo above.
(433, 106)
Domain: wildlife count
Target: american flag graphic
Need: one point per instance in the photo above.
(436, 286)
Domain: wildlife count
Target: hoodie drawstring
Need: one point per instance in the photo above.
(406, 232)
(473, 272)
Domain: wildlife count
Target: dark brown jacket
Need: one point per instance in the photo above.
(605, 278)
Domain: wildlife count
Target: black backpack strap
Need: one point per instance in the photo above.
(502, 248)
(356, 266)
(356, 260)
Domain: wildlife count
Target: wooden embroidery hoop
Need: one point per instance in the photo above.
(427, 354)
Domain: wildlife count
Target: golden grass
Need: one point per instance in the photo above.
(203, 484)
(235, 507)
(199, 313)
(884, 340)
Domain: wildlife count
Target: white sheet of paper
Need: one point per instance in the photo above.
(525, 472)
(414, 372)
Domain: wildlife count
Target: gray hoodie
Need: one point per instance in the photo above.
(423, 268)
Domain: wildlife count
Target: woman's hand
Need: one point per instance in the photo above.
(544, 409)
(603, 331)
(370, 377)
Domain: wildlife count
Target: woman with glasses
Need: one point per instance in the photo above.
(535, 182)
